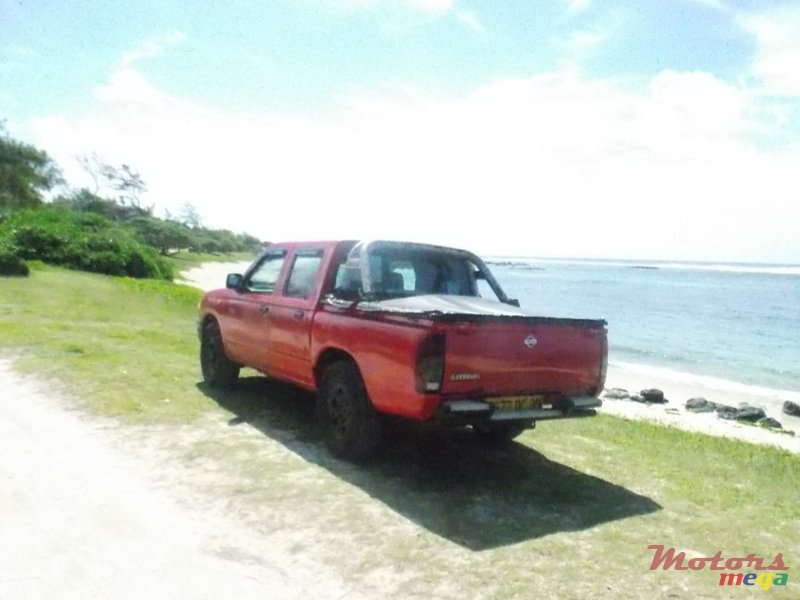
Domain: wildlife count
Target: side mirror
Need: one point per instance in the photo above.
(234, 281)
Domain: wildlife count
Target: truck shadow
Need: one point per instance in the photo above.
(447, 483)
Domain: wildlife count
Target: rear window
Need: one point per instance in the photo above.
(382, 270)
(305, 267)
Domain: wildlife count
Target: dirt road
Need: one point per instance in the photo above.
(81, 519)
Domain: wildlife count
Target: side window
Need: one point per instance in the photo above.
(265, 276)
(304, 273)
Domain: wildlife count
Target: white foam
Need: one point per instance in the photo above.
(726, 268)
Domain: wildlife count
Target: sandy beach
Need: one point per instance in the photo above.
(210, 276)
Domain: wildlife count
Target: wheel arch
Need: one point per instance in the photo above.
(206, 319)
(328, 357)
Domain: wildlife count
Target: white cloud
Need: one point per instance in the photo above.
(777, 58)
(546, 165)
(577, 6)
(470, 20)
(152, 48)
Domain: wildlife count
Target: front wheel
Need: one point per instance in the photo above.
(350, 426)
(218, 370)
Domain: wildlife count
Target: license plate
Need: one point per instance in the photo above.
(516, 402)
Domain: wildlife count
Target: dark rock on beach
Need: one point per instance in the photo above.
(654, 396)
(700, 405)
(750, 413)
(769, 423)
(616, 394)
(745, 412)
(636, 398)
(791, 408)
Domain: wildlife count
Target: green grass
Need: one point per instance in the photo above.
(124, 347)
(567, 512)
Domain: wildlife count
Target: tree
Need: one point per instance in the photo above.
(166, 236)
(190, 216)
(92, 164)
(25, 173)
(129, 186)
(124, 181)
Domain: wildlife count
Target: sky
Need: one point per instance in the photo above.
(659, 129)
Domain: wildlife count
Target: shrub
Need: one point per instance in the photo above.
(34, 241)
(85, 241)
(10, 261)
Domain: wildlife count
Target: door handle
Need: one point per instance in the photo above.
(298, 314)
(264, 309)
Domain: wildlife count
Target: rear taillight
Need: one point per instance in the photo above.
(430, 364)
(603, 363)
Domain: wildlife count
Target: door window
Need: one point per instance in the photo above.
(265, 276)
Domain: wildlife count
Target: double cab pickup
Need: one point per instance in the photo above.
(417, 331)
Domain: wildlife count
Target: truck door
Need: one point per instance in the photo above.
(248, 329)
(290, 318)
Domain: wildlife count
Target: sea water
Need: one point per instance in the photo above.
(736, 326)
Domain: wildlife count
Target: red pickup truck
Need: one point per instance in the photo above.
(391, 328)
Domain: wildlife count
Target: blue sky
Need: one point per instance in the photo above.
(666, 129)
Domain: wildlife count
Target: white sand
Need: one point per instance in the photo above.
(211, 276)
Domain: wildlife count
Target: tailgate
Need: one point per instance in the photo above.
(525, 356)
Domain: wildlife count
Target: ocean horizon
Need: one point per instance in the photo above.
(774, 268)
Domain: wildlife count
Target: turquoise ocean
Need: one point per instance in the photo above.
(736, 324)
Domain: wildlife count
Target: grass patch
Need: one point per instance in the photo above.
(124, 347)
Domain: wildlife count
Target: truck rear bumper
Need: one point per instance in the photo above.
(471, 411)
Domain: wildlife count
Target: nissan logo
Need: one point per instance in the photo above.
(530, 341)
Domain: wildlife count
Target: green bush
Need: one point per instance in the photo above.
(35, 241)
(80, 240)
(10, 261)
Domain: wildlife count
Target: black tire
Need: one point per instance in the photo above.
(350, 426)
(498, 434)
(218, 370)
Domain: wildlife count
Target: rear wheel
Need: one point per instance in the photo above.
(495, 434)
(218, 370)
(349, 424)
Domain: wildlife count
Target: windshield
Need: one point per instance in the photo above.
(384, 270)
